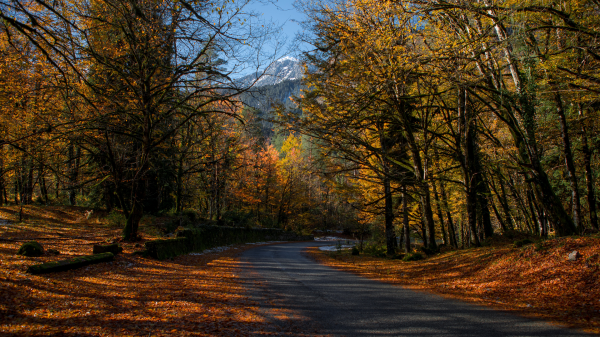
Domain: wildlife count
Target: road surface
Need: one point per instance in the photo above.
(298, 294)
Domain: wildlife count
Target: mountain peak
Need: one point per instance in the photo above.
(285, 68)
(288, 58)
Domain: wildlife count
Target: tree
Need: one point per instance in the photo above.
(136, 72)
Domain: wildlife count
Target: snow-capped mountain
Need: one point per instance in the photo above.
(286, 68)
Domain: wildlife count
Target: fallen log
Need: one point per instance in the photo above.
(78, 262)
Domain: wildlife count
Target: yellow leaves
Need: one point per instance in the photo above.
(290, 144)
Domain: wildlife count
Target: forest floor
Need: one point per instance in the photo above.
(195, 295)
(536, 280)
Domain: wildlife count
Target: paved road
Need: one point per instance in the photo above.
(342, 304)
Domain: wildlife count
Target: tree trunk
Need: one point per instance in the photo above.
(390, 236)
(589, 178)
(108, 196)
(483, 203)
(451, 229)
(504, 203)
(498, 216)
(72, 176)
(525, 141)
(130, 232)
(439, 212)
(467, 130)
(43, 187)
(571, 172)
(534, 219)
(407, 248)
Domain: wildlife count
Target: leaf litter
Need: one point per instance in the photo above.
(536, 280)
(192, 295)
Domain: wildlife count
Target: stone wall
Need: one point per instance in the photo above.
(203, 237)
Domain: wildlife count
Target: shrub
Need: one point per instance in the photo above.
(521, 243)
(375, 249)
(116, 219)
(355, 251)
(425, 250)
(412, 257)
(31, 249)
(190, 214)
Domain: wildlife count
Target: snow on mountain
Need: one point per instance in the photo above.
(286, 68)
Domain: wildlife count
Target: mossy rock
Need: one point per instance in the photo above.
(114, 248)
(78, 262)
(31, 249)
(168, 248)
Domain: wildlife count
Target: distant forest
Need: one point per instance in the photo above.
(266, 98)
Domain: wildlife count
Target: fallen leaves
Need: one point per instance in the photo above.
(192, 295)
(536, 280)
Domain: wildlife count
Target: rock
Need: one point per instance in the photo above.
(31, 249)
(114, 248)
(574, 255)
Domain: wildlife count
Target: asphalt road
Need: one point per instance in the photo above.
(298, 294)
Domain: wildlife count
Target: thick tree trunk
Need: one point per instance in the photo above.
(571, 172)
(467, 130)
(420, 170)
(130, 232)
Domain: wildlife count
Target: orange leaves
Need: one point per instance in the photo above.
(535, 280)
(193, 295)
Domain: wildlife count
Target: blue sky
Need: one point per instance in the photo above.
(280, 12)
